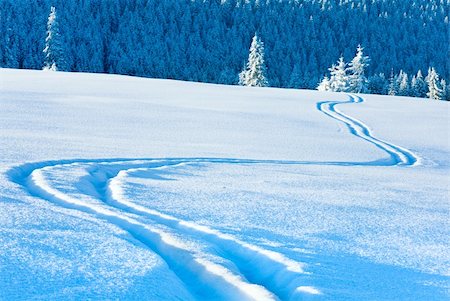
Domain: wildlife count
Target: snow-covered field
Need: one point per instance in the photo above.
(115, 187)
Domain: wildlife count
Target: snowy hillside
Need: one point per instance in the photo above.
(114, 187)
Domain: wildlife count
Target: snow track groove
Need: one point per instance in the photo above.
(247, 272)
(204, 278)
(270, 269)
(399, 155)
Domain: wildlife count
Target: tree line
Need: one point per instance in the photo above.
(208, 40)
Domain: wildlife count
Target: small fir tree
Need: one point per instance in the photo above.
(403, 84)
(324, 84)
(445, 90)
(434, 88)
(419, 87)
(254, 75)
(339, 81)
(393, 84)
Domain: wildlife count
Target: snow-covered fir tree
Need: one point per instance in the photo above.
(403, 84)
(356, 69)
(53, 51)
(339, 81)
(443, 85)
(434, 88)
(324, 84)
(419, 87)
(393, 88)
(254, 75)
(445, 90)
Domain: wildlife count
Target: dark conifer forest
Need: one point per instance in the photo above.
(208, 40)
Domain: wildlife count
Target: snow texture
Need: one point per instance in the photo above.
(114, 187)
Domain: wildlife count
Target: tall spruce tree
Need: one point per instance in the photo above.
(53, 51)
(254, 75)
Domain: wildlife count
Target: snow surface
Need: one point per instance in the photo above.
(115, 187)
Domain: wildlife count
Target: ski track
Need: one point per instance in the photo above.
(246, 271)
(399, 155)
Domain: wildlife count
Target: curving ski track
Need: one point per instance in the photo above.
(242, 271)
(398, 155)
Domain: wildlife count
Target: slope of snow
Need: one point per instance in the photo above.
(115, 187)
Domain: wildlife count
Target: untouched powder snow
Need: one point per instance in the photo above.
(114, 187)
